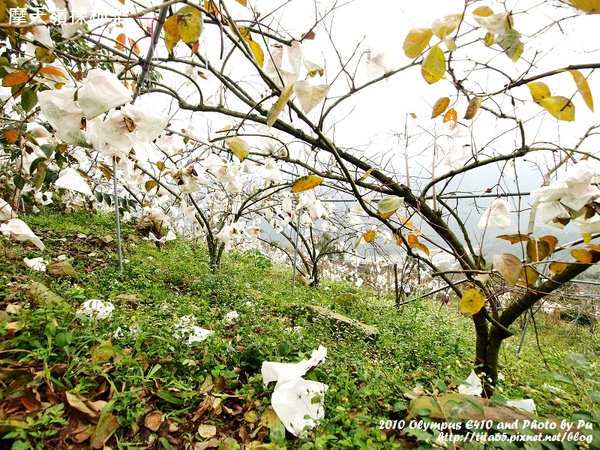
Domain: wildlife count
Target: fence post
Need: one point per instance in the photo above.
(296, 253)
(117, 218)
(396, 286)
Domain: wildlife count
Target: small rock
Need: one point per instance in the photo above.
(62, 269)
(369, 331)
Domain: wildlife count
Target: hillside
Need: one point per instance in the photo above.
(135, 379)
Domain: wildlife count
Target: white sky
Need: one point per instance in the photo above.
(369, 120)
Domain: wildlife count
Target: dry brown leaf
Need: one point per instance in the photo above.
(153, 420)
(473, 107)
(514, 238)
(104, 430)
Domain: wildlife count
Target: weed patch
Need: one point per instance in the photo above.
(136, 379)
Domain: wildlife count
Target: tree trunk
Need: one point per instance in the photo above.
(489, 338)
(490, 368)
(315, 275)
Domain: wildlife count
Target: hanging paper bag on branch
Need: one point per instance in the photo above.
(146, 123)
(101, 92)
(63, 113)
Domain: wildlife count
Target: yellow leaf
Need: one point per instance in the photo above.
(587, 238)
(257, 51)
(589, 6)
(434, 65)
(483, 11)
(211, 7)
(269, 418)
(171, 32)
(413, 242)
(440, 106)
(15, 78)
(242, 2)
(539, 91)
(279, 104)
(552, 243)
(423, 248)
(489, 39)
(255, 47)
(106, 170)
(189, 21)
(537, 250)
(150, 184)
(514, 238)
(594, 247)
(366, 175)
(445, 26)
(583, 88)
(52, 71)
(451, 44)
(43, 55)
(238, 147)
(389, 205)
(312, 70)
(558, 267)
(407, 223)
(451, 115)
(369, 236)
(185, 26)
(306, 182)
(358, 241)
(416, 41)
(161, 165)
(529, 275)
(251, 416)
(509, 266)
(120, 45)
(398, 238)
(560, 107)
(582, 255)
(472, 301)
(473, 107)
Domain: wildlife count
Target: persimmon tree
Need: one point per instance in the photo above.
(308, 242)
(495, 111)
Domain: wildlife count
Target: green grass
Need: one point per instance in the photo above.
(147, 370)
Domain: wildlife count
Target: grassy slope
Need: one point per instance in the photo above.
(150, 375)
